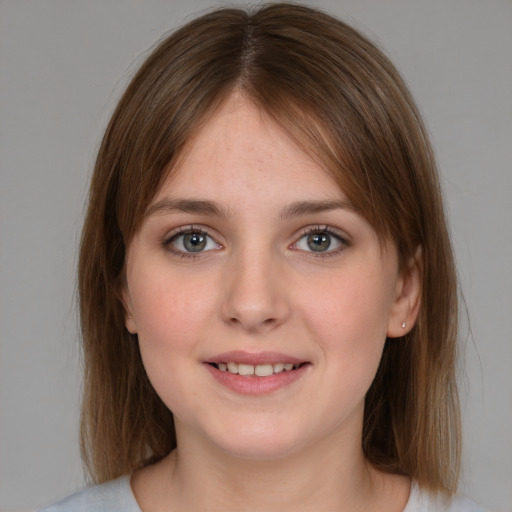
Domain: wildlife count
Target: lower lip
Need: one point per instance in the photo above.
(253, 385)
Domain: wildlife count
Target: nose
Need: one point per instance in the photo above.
(256, 294)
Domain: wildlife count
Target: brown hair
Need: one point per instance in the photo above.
(340, 98)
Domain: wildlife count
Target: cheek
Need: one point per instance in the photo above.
(349, 319)
(174, 317)
(354, 303)
(167, 309)
(171, 322)
(167, 331)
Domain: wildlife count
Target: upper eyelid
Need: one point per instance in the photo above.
(183, 230)
(167, 242)
(316, 228)
(323, 228)
(340, 235)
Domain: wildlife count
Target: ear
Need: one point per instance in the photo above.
(129, 322)
(407, 300)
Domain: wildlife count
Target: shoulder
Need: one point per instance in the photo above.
(422, 501)
(113, 496)
(461, 504)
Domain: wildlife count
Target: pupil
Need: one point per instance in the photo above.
(319, 242)
(194, 242)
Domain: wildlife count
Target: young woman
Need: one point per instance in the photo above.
(267, 289)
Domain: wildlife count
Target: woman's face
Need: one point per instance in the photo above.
(261, 299)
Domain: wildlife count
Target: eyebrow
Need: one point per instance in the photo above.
(197, 206)
(300, 208)
(210, 208)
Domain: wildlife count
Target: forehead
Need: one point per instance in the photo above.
(240, 149)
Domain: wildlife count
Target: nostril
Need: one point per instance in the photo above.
(252, 323)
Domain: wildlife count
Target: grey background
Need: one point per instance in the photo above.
(64, 63)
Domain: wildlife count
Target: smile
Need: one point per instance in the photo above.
(260, 370)
(256, 374)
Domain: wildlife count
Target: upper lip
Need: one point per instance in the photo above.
(240, 356)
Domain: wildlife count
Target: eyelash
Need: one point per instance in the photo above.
(181, 231)
(328, 230)
(312, 230)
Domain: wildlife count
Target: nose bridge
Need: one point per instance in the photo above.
(255, 297)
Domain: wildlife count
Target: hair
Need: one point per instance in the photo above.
(340, 98)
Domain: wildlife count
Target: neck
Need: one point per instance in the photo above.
(326, 477)
(300, 481)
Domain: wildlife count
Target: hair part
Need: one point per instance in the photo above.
(345, 104)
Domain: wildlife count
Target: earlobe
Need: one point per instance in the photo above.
(407, 301)
(128, 316)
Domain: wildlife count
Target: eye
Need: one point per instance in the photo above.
(191, 241)
(320, 240)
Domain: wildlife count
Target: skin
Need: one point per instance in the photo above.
(258, 286)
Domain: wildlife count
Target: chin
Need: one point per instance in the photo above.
(263, 443)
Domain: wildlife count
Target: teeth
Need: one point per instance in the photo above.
(278, 368)
(263, 370)
(245, 369)
(260, 370)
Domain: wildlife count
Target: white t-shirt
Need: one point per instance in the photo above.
(117, 496)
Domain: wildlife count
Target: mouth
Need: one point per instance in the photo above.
(259, 370)
(256, 373)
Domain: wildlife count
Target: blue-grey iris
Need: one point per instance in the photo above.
(319, 242)
(194, 242)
